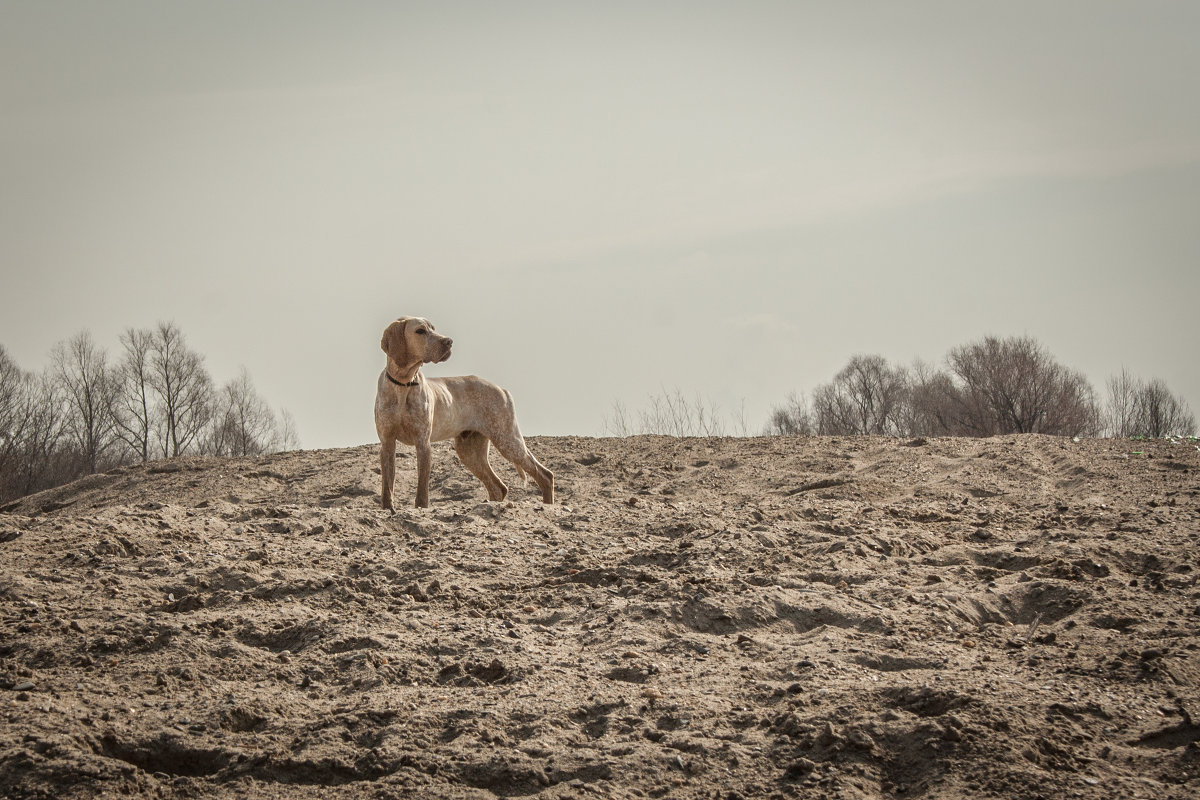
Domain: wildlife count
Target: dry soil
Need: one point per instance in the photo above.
(700, 618)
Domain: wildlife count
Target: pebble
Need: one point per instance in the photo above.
(23, 686)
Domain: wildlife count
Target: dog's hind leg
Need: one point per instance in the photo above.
(514, 449)
(472, 449)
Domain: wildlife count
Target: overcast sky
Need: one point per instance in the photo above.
(602, 201)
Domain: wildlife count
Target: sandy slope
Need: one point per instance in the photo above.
(1014, 617)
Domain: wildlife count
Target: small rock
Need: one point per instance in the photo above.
(860, 739)
(829, 736)
(23, 686)
(800, 767)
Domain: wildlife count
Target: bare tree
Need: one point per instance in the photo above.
(47, 461)
(243, 424)
(617, 422)
(182, 387)
(12, 382)
(674, 415)
(1137, 408)
(669, 414)
(1121, 409)
(133, 409)
(865, 397)
(14, 412)
(741, 424)
(1166, 414)
(793, 418)
(34, 456)
(928, 406)
(289, 434)
(1014, 386)
(82, 371)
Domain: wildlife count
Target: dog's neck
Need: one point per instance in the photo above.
(413, 382)
(412, 373)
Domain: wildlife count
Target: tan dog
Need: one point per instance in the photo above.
(416, 410)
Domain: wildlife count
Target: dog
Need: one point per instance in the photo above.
(418, 411)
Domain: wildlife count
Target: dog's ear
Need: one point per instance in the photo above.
(394, 343)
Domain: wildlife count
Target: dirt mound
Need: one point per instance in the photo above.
(824, 617)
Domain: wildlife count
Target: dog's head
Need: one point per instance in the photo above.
(412, 340)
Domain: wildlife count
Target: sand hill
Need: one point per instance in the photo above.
(700, 618)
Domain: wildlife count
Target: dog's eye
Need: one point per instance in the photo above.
(422, 331)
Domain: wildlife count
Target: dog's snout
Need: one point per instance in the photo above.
(449, 342)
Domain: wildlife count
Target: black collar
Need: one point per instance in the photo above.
(414, 382)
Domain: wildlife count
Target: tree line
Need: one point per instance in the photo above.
(87, 413)
(990, 387)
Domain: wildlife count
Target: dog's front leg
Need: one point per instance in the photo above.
(424, 467)
(387, 471)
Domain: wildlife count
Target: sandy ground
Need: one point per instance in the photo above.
(719, 618)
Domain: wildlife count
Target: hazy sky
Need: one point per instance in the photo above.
(602, 201)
